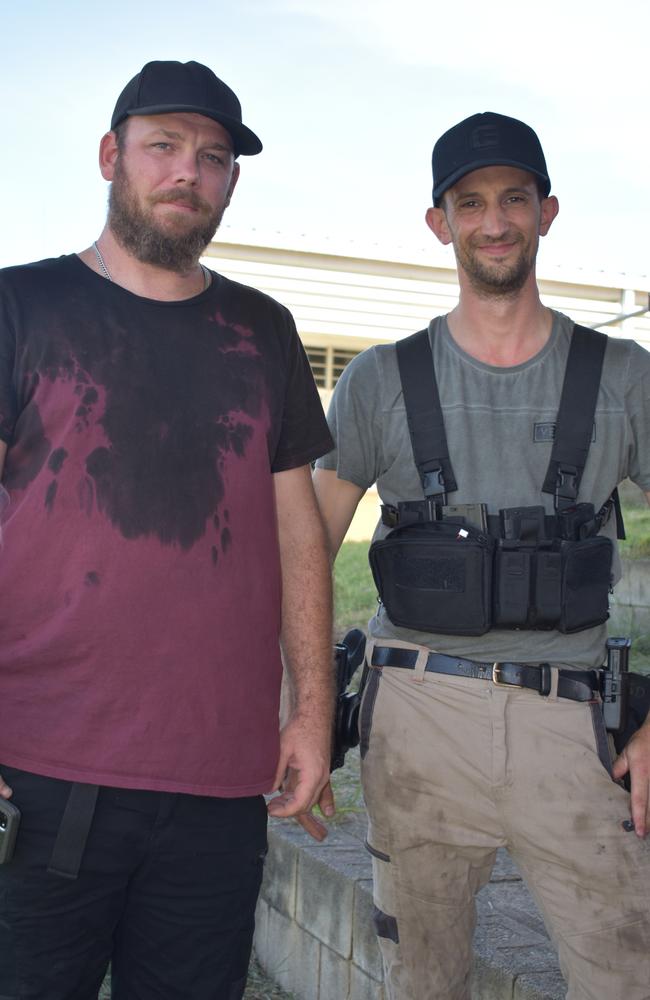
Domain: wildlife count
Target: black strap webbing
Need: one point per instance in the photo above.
(574, 424)
(73, 832)
(424, 415)
(620, 525)
(575, 419)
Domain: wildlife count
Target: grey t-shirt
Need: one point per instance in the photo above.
(499, 424)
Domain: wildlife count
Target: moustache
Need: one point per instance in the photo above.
(507, 237)
(190, 198)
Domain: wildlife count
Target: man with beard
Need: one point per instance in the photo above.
(162, 543)
(485, 733)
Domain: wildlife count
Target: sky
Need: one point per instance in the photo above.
(348, 98)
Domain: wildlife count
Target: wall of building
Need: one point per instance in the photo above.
(347, 298)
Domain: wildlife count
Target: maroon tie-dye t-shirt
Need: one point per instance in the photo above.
(140, 607)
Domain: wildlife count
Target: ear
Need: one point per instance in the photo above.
(233, 181)
(108, 154)
(548, 210)
(437, 223)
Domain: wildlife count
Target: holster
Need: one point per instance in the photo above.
(638, 706)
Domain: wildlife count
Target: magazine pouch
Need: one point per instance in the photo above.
(556, 584)
(586, 582)
(435, 577)
(514, 567)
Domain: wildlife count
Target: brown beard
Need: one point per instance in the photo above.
(492, 282)
(136, 230)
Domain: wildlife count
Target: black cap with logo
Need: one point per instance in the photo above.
(161, 87)
(486, 140)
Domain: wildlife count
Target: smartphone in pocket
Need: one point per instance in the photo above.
(9, 820)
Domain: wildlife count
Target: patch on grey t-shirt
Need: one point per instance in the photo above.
(544, 432)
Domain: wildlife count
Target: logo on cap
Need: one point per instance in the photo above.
(485, 136)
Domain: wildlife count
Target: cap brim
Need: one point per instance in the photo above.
(245, 142)
(467, 168)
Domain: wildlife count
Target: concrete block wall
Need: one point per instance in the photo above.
(315, 936)
(314, 933)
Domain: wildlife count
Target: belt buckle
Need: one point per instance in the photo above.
(496, 678)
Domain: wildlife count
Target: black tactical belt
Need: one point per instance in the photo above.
(577, 685)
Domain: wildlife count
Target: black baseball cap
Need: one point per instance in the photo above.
(486, 140)
(160, 87)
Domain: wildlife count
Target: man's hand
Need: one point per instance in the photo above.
(303, 775)
(635, 758)
(5, 791)
(310, 823)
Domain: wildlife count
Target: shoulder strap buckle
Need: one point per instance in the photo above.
(566, 485)
(433, 483)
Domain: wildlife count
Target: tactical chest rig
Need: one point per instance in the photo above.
(460, 571)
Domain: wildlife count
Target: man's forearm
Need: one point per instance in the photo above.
(303, 767)
(306, 599)
(338, 500)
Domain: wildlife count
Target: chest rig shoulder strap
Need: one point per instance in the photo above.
(424, 415)
(575, 418)
(573, 431)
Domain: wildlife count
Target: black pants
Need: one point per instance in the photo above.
(166, 893)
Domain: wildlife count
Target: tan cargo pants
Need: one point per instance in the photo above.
(454, 768)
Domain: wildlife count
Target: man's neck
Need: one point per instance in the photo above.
(147, 280)
(501, 331)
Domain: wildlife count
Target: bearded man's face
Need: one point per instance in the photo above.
(171, 184)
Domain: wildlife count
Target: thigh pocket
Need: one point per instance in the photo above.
(384, 910)
(367, 709)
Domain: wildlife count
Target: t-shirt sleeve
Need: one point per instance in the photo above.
(638, 407)
(304, 434)
(354, 417)
(8, 403)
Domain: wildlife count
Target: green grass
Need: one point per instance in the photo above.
(354, 589)
(262, 987)
(637, 530)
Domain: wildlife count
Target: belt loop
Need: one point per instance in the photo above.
(369, 650)
(420, 666)
(555, 677)
(545, 679)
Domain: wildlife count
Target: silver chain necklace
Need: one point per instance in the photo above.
(100, 261)
(107, 274)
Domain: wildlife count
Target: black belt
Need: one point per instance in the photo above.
(578, 685)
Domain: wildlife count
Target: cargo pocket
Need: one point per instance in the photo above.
(385, 923)
(367, 709)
